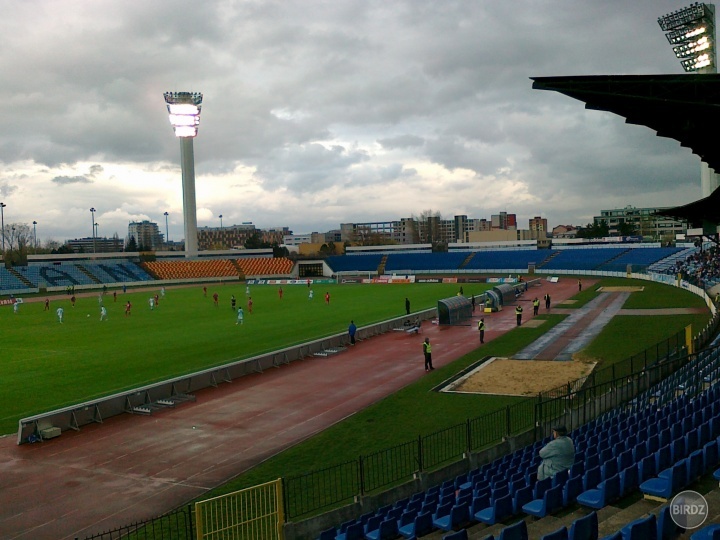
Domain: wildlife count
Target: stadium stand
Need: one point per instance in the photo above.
(54, 275)
(700, 268)
(354, 263)
(639, 258)
(424, 261)
(191, 269)
(8, 281)
(265, 266)
(507, 260)
(581, 258)
(108, 272)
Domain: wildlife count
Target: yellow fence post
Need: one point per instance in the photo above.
(689, 339)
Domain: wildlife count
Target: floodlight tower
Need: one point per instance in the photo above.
(184, 109)
(691, 32)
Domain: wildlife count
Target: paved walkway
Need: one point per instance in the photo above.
(136, 467)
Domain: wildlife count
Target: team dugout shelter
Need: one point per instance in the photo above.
(455, 311)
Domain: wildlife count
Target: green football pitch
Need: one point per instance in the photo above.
(46, 365)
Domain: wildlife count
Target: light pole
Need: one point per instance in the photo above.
(2, 223)
(220, 216)
(691, 32)
(92, 212)
(35, 236)
(184, 111)
(167, 230)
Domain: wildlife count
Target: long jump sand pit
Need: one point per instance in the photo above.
(503, 376)
(621, 289)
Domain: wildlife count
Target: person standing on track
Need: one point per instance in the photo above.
(547, 301)
(352, 329)
(518, 314)
(481, 330)
(427, 353)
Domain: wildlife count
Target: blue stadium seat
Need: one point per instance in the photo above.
(521, 497)
(572, 488)
(591, 478)
(551, 501)
(328, 534)
(667, 483)
(459, 515)
(460, 535)
(667, 529)
(606, 492)
(585, 528)
(629, 479)
(560, 534)
(641, 529)
(386, 531)
(517, 531)
(711, 532)
(695, 466)
(647, 468)
(421, 526)
(353, 532)
(499, 510)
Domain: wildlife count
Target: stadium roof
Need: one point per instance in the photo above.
(699, 213)
(681, 107)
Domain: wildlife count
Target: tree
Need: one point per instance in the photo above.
(428, 229)
(594, 230)
(625, 228)
(280, 251)
(17, 237)
(253, 241)
(131, 245)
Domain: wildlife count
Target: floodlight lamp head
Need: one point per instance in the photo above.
(184, 112)
(696, 63)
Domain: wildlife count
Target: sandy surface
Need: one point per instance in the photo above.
(621, 289)
(522, 377)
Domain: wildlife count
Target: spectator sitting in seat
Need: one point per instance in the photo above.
(557, 455)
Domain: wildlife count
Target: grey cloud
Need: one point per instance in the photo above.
(308, 168)
(401, 141)
(63, 180)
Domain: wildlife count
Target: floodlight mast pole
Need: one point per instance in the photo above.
(684, 28)
(2, 221)
(184, 109)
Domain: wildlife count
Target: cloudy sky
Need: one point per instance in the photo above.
(322, 112)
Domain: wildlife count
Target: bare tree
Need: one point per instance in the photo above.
(17, 236)
(428, 227)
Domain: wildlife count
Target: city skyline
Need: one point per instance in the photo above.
(320, 113)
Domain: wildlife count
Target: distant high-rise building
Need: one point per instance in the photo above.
(504, 221)
(641, 222)
(147, 235)
(100, 245)
(538, 228)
